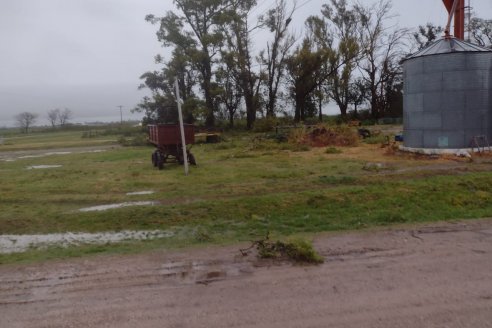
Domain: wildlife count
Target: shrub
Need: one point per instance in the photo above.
(324, 135)
(333, 150)
(296, 250)
(377, 139)
(265, 124)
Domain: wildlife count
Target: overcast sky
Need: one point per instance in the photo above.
(88, 55)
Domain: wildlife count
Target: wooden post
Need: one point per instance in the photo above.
(181, 127)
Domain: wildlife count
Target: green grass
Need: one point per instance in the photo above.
(51, 140)
(72, 136)
(240, 190)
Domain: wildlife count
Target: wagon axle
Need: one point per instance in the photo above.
(168, 155)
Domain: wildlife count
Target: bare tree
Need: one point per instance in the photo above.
(64, 116)
(25, 120)
(384, 50)
(427, 34)
(481, 31)
(237, 54)
(53, 116)
(277, 20)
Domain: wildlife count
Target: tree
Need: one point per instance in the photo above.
(357, 94)
(305, 75)
(481, 31)
(158, 109)
(53, 116)
(161, 106)
(427, 34)
(196, 32)
(317, 61)
(277, 21)
(231, 92)
(25, 120)
(237, 55)
(383, 51)
(64, 116)
(344, 24)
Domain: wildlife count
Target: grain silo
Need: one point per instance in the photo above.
(447, 96)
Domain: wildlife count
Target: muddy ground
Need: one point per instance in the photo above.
(428, 276)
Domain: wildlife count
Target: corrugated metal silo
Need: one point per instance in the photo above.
(447, 95)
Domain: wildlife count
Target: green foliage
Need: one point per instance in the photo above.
(267, 124)
(375, 140)
(297, 135)
(333, 150)
(296, 250)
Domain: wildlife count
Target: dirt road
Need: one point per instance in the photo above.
(429, 276)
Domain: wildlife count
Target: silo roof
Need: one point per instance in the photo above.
(448, 45)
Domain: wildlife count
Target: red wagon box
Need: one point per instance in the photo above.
(170, 134)
(167, 139)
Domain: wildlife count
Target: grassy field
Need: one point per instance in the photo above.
(241, 189)
(54, 140)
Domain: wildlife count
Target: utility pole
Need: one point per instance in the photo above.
(181, 125)
(121, 114)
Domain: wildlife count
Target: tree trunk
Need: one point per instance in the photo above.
(250, 111)
(231, 118)
(210, 119)
(207, 85)
(343, 111)
(297, 115)
(272, 98)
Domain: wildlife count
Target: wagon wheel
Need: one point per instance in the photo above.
(191, 159)
(179, 155)
(155, 157)
(160, 160)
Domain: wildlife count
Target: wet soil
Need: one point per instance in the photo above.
(425, 276)
(10, 156)
(21, 243)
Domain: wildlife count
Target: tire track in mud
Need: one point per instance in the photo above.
(171, 274)
(373, 279)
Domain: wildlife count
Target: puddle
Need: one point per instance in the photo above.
(138, 193)
(114, 206)
(14, 158)
(203, 272)
(45, 154)
(40, 167)
(21, 243)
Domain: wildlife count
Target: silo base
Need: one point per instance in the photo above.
(464, 152)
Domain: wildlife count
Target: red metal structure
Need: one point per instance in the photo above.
(456, 8)
(167, 139)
